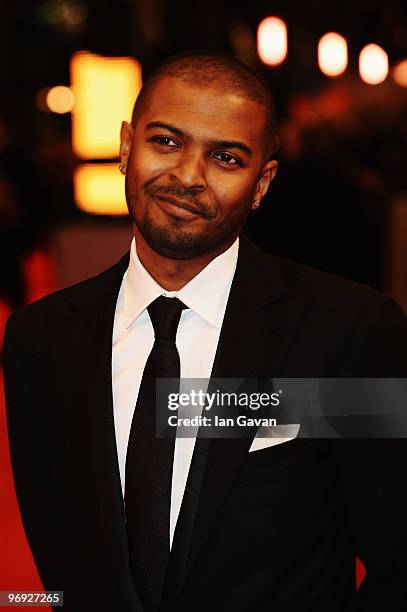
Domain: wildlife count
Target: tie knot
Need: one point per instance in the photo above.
(165, 314)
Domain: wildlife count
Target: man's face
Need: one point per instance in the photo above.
(195, 167)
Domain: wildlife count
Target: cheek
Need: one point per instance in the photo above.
(144, 165)
(140, 168)
(232, 192)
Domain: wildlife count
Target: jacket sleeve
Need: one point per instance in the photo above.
(373, 470)
(31, 467)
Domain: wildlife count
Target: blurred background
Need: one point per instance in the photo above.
(70, 73)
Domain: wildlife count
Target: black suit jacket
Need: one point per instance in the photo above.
(274, 530)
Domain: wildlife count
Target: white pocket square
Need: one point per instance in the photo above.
(271, 436)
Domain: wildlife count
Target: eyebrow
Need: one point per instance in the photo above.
(233, 144)
(166, 126)
(224, 144)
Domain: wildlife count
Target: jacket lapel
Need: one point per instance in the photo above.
(260, 320)
(98, 311)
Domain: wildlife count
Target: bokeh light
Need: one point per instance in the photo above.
(400, 73)
(105, 90)
(99, 189)
(60, 99)
(373, 64)
(272, 41)
(332, 54)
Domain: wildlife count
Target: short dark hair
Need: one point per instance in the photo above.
(215, 67)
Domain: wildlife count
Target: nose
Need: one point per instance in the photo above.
(189, 171)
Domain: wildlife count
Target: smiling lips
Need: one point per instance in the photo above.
(184, 209)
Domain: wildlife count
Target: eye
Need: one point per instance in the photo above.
(164, 141)
(228, 159)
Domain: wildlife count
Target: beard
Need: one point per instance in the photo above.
(172, 240)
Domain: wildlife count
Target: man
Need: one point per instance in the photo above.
(121, 520)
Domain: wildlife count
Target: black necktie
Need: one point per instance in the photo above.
(149, 460)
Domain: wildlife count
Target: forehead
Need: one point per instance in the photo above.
(205, 112)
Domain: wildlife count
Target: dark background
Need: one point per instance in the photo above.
(341, 163)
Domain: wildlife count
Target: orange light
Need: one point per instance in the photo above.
(272, 41)
(105, 90)
(99, 189)
(60, 99)
(332, 54)
(373, 64)
(400, 73)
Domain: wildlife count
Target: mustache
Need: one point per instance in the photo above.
(188, 195)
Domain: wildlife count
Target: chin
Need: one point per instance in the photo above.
(171, 253)
(173, 243)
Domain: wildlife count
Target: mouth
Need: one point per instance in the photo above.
(178, 207)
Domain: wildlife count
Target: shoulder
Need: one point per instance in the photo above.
(341, 297)
(328, 299)
(300, 280)
(324, 286)
(348, 297)
(81, 295)
(372, 326)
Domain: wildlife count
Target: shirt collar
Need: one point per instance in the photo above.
(206, 294)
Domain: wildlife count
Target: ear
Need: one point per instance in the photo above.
(126, 138)
(267, 174)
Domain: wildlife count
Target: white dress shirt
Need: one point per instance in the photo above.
(197, 339)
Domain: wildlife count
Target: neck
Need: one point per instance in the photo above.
(173, 274)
